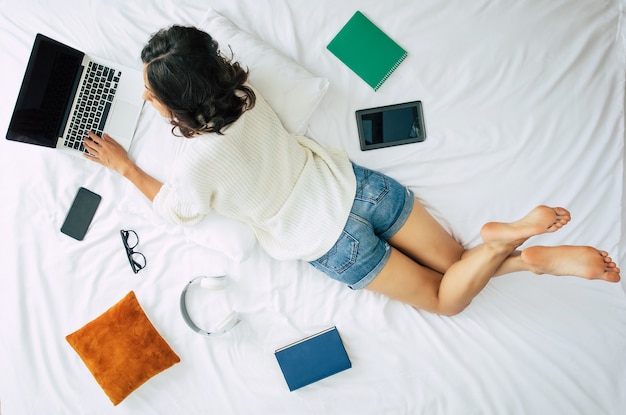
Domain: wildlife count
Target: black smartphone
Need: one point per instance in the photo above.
(81, 213)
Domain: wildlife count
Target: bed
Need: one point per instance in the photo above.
(524, 105)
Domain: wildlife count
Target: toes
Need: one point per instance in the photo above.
(612, 276)
(608, 261)
(562, 221)
(556, 225)
(561, 211)
(562, 216)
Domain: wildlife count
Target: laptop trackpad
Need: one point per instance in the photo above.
(122, 120)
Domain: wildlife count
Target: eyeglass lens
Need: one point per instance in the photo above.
(138, 259)
(131, 238)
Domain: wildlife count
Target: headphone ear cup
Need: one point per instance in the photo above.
(230, 321)
(213, 283)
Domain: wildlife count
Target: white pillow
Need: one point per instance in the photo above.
(292, 91)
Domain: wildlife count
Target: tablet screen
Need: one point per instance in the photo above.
(391, 125)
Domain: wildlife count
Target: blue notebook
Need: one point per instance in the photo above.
(313, 358)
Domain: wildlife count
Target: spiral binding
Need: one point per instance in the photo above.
(393, 68)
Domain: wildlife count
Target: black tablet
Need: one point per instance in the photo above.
(391, 125)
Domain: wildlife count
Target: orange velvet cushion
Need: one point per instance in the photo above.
(122, 349)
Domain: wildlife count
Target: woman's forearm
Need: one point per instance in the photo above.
(147, 184)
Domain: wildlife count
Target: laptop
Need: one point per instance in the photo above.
(65, 93)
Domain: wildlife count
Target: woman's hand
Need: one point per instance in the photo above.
(106, 151)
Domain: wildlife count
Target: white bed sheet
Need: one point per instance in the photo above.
(524, 104)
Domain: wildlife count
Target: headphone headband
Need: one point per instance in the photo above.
(216, 283)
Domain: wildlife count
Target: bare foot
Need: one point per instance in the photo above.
(541, 219)
(579, 261)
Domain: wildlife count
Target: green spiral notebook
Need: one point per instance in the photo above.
(367, 50)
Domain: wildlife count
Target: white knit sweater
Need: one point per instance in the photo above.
(294, 193)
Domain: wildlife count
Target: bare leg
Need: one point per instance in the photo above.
(425, 241)
(478, 265)
(410, 282)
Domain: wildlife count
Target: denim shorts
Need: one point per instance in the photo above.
(381, 206)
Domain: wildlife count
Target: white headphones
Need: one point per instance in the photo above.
(211, 283)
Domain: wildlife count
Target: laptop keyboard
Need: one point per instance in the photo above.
(93, 104)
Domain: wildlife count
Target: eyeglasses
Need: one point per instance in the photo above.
(137, 259)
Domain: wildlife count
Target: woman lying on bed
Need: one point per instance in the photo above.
(311, 203)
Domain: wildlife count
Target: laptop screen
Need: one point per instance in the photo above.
(47, 91)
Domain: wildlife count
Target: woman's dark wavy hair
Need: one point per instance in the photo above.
(203, 90)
